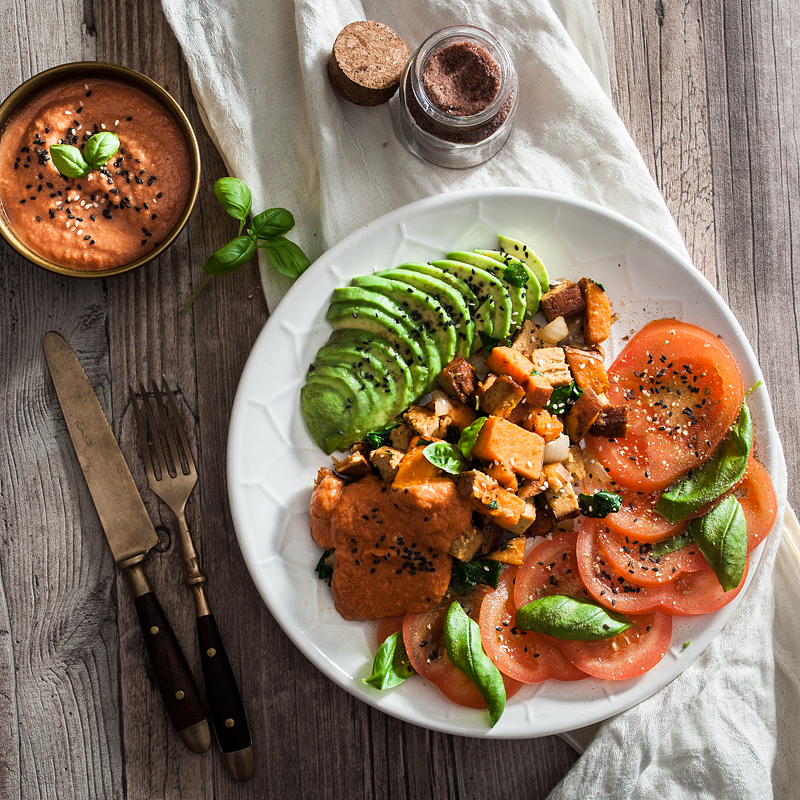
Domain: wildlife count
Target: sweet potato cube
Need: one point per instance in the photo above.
(489, 499)
(503, 474)
(415, 469)
(582, 415)
(588, 369)
(502, 396)
(511, 551)
(507, 361)
(547, 425)
(537, 390)
(597, 323)
(501, 440)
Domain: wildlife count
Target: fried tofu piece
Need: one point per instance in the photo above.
(387, 461)
(582, 415)
(611, 423)
(354, 465)
(587, 368)
(489, 499)
(458, 380)
(501, 397)
(526, 519)
(562, 503)
(565, 299)
(551, 364)
(467, 545)
(597, 322)
(529, 489)
(574, 464)
(425, 422)
(537, 390)
(511, 552)
(401, 437)
(527, 340)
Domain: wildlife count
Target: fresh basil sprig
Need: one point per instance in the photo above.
(710, 480)
(469, 436)
(445, 456)
(721, 536)
(72, 163)
(391, 665)
(677, 542)
(266, 232)
(565, 617)
(462, 638)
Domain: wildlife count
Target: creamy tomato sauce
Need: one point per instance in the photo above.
(113, 215)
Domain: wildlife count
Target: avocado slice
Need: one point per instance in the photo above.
(484, 285)
(526, 255)
(516, 294)
(533, 291)
(451, 280)
(333, 412)
(450, 300)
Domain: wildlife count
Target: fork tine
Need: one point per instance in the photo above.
(162, 410)
(151, 421)
(148, 461)
(179, 426)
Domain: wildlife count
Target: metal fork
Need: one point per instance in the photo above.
(227, 711)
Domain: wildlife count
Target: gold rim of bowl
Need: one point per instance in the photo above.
(104, 70)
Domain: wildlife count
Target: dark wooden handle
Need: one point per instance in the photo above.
(227, 711)
(175, 680)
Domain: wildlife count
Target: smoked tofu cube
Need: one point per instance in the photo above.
(537, 390)
(466, 546)
(562, 503)
(597, 322)
(527, 340)
(526, 519)
(458, 380)
(565, 299)
(489, 499)
(551, 364)
(401, 437)
(425, 422)
(502, 396)
(582, 415)
(502, 441)
(588, 369)
(353, 466)
(387, 461)
(574, 464)
(611, 423)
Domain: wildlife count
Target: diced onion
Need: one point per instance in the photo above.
(557, 450)
(478, 363)
(441, 403)
(555, 332)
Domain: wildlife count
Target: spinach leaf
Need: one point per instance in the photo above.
(469, 436)
(677, 542)
(100, 148)
(234, 196)
(708, 481)
(230, 256)
(467, 575)
(721, 536)
(271, 223)
(516, 274)
(68, 160)
(324, 569)
(490, 342)
(565, 617)
(563, 398)
(445, 456)
(380, 437)
(391, 665)
(462, 637)
(599, 504)
(286, 256)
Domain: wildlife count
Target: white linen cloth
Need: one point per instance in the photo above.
(258, 73)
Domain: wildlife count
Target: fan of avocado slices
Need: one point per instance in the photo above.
(395, 330)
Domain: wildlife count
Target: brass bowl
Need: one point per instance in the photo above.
(104, 70)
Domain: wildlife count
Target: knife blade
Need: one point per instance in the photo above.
(130, 535)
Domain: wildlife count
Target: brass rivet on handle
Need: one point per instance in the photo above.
(154, 630)
(211, 652)
(179, 695)
(229, 723)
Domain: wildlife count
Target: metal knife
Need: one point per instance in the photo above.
(130, 534)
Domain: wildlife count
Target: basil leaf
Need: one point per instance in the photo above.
(712, 479)
(230, 257)
(234, 196)
(599, 504)
(271, 223)
(563, 398)
(465, 576)
(68, 160)
(516, 274)
(380, 437)
(323, 569)
(462, 637)
(565, 617)
(286, 257)
(721, 536)
(672, 545)
(444, 456)
(469, 436)
(391, 665)
(100, 148)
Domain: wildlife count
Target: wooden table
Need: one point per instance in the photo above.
(709, 90)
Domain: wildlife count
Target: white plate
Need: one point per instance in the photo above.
(272, 461)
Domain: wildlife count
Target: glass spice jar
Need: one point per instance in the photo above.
(457, 98)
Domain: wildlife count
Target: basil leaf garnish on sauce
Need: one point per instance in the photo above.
(721, 536)
(100, 148)
(391, 665)
(445, 456)
(710, 480)
(462, 637)
(565, 617)
(599, 504)
(469, 436)
(68, 160)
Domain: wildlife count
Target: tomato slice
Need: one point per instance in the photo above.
(387, 626)
(523, 655)
(423, 635)
(756, 494)
(683, 391)
(626, 655)
(636, 562)
(698, 593)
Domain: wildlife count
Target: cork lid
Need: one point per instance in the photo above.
(367, 62)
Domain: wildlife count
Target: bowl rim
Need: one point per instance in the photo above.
(107, 70)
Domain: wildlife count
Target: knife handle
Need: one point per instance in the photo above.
(227, 710)
(175, 681)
